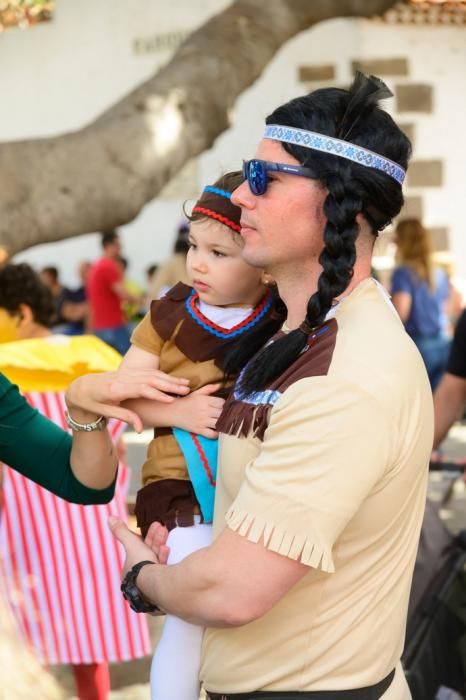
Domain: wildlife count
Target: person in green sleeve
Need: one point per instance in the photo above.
(82, 468)
(79, 468)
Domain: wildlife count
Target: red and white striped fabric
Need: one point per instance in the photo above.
(61, 567)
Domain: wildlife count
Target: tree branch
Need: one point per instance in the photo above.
(101, 176)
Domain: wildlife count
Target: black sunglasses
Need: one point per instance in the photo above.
(256, 173)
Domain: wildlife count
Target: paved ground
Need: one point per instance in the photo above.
(129, 680)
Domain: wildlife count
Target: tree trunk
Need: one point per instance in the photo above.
(101, 176)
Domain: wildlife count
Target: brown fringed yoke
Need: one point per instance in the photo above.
(240, 417)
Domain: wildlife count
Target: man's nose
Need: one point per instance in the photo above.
(243, 196)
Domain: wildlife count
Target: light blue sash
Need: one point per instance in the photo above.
(200, 454)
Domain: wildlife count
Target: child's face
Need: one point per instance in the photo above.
(216, 268)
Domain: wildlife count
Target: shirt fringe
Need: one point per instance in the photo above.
(294, 546)
(240, 419)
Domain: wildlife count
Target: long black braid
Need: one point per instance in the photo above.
(353, 189)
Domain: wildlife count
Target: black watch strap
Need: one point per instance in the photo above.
(137, 567)
(131, 592)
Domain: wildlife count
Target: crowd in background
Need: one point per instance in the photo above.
(109, 303)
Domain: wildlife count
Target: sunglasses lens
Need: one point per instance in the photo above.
(255, 173)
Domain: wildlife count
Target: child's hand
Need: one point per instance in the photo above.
(199, 411)
(156, 539)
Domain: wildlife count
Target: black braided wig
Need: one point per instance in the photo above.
(352, 115)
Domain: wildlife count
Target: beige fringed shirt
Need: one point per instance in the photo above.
(329, 466)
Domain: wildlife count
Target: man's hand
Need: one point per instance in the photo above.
(135, 548)
(199, 411)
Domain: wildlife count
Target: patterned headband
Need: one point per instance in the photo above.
(336, 147)
(216, 204)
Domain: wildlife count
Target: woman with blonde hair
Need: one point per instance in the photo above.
(420, 293)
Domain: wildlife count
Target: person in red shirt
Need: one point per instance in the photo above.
(106, 292)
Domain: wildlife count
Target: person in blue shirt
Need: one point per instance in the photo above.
(420, 293)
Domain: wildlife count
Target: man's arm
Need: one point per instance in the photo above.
(230, 583)
(237, 579)
(449, 401)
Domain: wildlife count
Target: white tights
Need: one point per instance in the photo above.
(174, 672)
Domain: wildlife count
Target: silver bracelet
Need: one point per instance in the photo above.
(99, 424)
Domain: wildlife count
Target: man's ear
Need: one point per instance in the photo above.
(364, 225)
(365, 235)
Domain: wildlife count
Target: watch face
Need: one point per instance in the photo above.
(131, 594)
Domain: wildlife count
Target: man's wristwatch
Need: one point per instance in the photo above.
(131, 592)
(99, 424)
